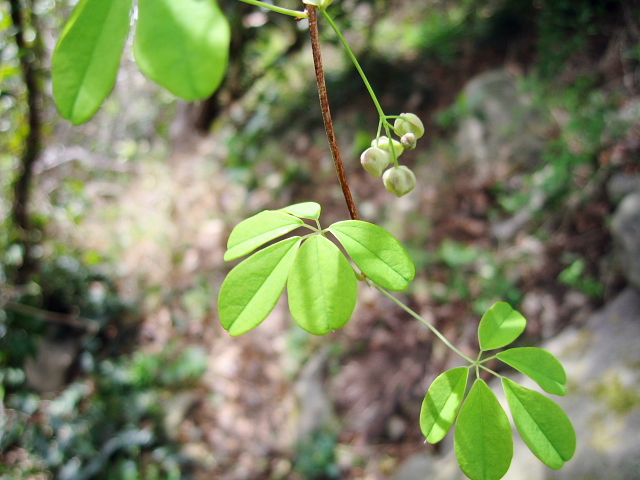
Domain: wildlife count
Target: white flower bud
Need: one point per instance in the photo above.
(375, 160)
(408, 141)
(399, 180)
(409, 123)
(385, 144)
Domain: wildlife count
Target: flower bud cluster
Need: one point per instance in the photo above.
(398, 179)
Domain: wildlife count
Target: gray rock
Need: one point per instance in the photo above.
(621, 185)
(602, 361)
(501, 127)
(625, 229)
(416, 467)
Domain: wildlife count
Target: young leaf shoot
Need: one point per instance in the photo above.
(483, 442)
(379, 255)
(543, 425)
(182, 45)
(87, 57)
(310, 210)
(500, 326)
(322, 287)
(539, 365)
(255, 231)
(442, 403)
(253, 287)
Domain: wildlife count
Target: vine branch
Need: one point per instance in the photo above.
(312, 11)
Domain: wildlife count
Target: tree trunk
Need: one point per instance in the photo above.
(33, 142)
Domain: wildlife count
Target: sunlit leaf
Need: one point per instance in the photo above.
(253, 287)
(379, 255)
(539, 365)
(483, 442)
(257, 230)
(87, 57)
(500, 326)
(322, 287)
(543, 425)
(182, 45)
(309, 210)
(442, 403)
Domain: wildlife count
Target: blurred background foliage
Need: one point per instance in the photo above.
(108, 305)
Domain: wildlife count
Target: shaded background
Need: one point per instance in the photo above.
(112, 361)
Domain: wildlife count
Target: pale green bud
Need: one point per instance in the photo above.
(384, 143)
(375, 160)
(408, 141)
(409, 123)
(399, 180)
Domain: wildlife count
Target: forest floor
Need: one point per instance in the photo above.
(275, 394)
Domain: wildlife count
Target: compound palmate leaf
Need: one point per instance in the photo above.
(253, 287)
(483, 442)
(379, 255)
(87, 57)
(182, 45)
(542, 424)
(500, 326)
(442, 403)
(322, 287)
(257, 230)
(538, 364)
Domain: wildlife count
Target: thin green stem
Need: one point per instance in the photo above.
(477, 364)
(489, 370)
(274, 8)
(356, 64)
(488, 358)
(311, 227)
(354, 60)
(431, 327)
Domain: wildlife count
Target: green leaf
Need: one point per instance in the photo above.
(257, 230)
(309, 210)
(322, 287)
(538, 364)
(376, 252)
(253, 287)
(543, 425)
(87, 57)
(442, 403)
(500, 326)
(182, 45)
(483, 441)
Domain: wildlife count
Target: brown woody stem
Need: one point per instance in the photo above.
(326, 112)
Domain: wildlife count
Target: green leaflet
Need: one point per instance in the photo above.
(309, 210)
(322, 287)
(376, 252)
(539, 365)
(182, 45)
(257, 230)
(442, 403)
(87, 57)
(500, 326)
(253, 287)
(543, 425)
(483, 442)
